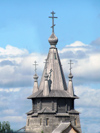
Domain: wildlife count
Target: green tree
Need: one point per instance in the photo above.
(5, 127)
(0, 126)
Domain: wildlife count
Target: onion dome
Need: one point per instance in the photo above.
(35, 77)
(70, 76)
(53, 39)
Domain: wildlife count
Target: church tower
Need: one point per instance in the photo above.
(53, 102)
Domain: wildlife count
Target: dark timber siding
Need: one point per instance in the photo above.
(61, 105)
(35, 105)
(46, 103)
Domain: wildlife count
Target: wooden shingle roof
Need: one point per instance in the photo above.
(53, 93)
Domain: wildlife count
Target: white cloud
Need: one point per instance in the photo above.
(74, 47)
(10, 90)
(12, 51)
(77, 44)
(20, 70)
(88, 97)
(17, 66)
(89, 107)
(86, 65)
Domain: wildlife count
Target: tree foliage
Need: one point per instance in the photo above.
(0, 126)
(5, 127)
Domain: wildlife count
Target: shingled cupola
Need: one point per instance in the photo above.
(52, 101)
(35, 88)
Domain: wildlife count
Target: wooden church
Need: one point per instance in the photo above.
(53, 101)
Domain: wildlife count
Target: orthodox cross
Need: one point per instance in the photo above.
(53, 21)
(46, 65)
(50, 73)
(70, 66)
(35, 63)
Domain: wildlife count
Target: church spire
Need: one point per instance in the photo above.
(56, 79)
(46, 85)
(70, 84)
(35, 88)
(53, 39)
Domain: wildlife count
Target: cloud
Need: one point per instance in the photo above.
(86, 105)
(74, 47)
(11, 51)
(17, 68)
(10, 89)
(86, 62)
(88, 96)
(77, 44)
(89, 125)
(89, 107)
(96, 42)
(7, 62)
(16, 84)
(14, 105)
(8, 111)
(16, 97)
(13, 118)
(71, 55)
(76, 50)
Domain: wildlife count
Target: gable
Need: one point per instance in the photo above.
(65, 128)
(70, 129)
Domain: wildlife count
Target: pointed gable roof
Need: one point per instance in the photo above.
(56, 84)
(56, 77)
(66, 126)
(53, 93)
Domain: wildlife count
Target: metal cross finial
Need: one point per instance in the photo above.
(53, 21)
(46, 65)
(70, 66)
(50, 73)
(35, 63)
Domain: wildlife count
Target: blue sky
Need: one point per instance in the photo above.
(25, 23)
(24, 32)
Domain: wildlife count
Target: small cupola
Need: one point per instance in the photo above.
(70, 83)
(46, 85)
(35, 87)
